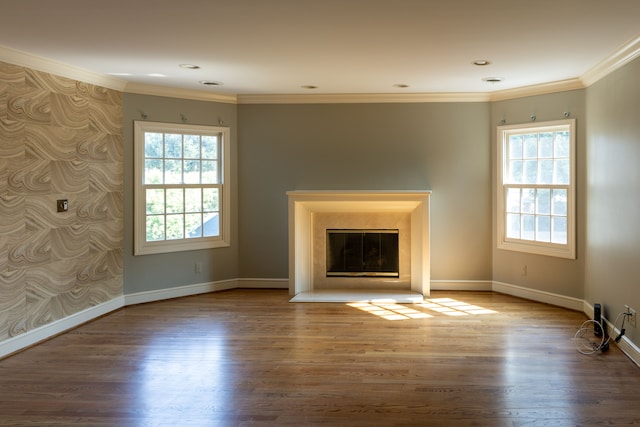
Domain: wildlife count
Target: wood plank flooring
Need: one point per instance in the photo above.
(251, 358)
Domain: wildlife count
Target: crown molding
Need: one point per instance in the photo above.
(627, 53)
(172, 92)
(362, 98)
(540, 89)
(46, 65)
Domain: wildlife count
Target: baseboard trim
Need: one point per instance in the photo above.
(461, 285)
(263, 283)
(45, 332)
(539, 296)
(179, 291)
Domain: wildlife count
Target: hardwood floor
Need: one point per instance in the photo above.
(251, 358)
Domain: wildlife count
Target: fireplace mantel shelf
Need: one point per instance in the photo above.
(303, 204)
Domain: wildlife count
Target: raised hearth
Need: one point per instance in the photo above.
(307, 207)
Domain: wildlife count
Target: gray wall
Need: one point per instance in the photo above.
(544, 273)
(440, 147)
(613, 186)
(162, 271)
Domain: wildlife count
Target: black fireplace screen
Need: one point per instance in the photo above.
(362, 253)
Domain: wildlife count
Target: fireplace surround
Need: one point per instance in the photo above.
(308, 209)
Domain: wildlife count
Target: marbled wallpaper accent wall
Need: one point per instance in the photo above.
(59, 139)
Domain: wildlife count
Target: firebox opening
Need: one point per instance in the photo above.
(362, 253)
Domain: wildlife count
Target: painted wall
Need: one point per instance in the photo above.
(613, 189)
(162, 271)
(59, 139)
(443, 147)
(544, 273)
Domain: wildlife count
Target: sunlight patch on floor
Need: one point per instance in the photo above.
(444, 306)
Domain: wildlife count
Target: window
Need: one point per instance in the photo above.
(181, 187)
(536, 188)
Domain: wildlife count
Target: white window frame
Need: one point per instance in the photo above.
(144, 247)
(567, 250)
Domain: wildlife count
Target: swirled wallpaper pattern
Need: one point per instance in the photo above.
(59, 139)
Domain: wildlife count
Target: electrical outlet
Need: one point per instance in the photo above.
(524, 270)
(62, 205)
(198, 267)
(632, 317)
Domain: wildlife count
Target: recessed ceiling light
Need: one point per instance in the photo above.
(492, 79)
(189, 66)
(156, 75)
(309, 87)
(210, 83)
(401, 85)
(481, 62)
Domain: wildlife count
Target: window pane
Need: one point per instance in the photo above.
(155, 201)
(155, 228)
(191, 147)
(153, 171)
(561, 145)
(513, 200)
(175, 227)
(530, 171)
(545, 172)
(559, 227)
(173, 146)
(531, 146)
(175, 200)
(559, 203)
(545, 145)
(528, 200)
(192, 171)
(193, 200)
(193, 224)
(210, 172)
(173, 171)
(515, 147)
(528, 227)
(211, 225)
(543, 201)
(153, 145)
(561, 171)
(210, 147)
(210, 200)
(513, 226)
(543, 228)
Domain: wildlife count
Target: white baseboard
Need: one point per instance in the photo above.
(461, 285)
(203, 288)
(539, 296)
(27, 339)
(263, 283)
(179, 291)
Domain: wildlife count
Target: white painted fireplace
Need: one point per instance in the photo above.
(312, 212)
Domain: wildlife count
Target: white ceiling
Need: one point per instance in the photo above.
(268, 47)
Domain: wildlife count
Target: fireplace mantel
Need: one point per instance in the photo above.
(304, 204)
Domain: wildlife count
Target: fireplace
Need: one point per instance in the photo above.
(312, 213)
(356, 252)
